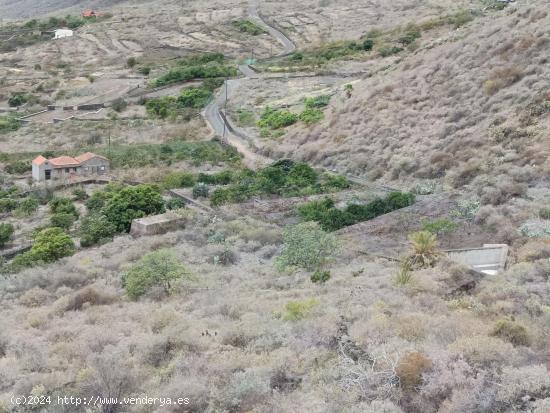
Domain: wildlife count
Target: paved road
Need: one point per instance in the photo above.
(212, 112)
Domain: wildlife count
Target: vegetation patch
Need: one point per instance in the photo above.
(160, 269)
(170, 106)
(249, 27)
(209, 65)
(331, 218)
(283, 178)
(9, 123)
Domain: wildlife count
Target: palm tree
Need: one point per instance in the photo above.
(424, 245)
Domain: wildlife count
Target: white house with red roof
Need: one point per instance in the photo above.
(67, 167)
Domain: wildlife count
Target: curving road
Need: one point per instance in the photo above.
(213, 114)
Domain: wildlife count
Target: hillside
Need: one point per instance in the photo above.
(258, 206)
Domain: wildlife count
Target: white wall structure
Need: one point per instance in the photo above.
(61, 33)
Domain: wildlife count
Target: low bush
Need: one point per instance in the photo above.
(317, 101)
(18, 167)
(200, 190)
(194, 97)
(49, 245)
(119, 105)
(511, 332)
(331, 218)
(410, 369)
(311, 115)
(297, 310)
(306, 246)
(404, 274)
(62, 220)
(218, 178)
(9, 124)
(389, 50)
(96, 229)
(320, 276)
(178, 180)
(6, 232)
(27, 206)
(544, 213)
(439, 226)
(17, 99)
(8, 204)
(63, 206)
(79, 194)
(276, 119)
(175, 203)
(159, 268)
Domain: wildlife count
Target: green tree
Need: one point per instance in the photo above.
(51, 244)
(158, 268)
(133, 202)
(6, 232)
(62, 220)
(306, 246)
(95, 229)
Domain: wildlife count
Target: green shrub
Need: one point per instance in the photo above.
(79, 194)
(159, 268)
(320, 276)
(131, 203)
(175, 203)
(9, 124)
(144, 70)
(131, 62)
(511, 332)
(51, 244)
(178, 180)
(317, 102)
(425, 253)
(544, 213)
(8, 204)
(310, 116)
(62, 220)
(439, 226)
(276, 119)
(245, 118)
(96, 229)
(306, 246)
(18, 167)
(63, 206)
(28, 206)
(410, 34)
(6, 232)
(198, 67)
(247, 26)
(218, 178)
(194, 97)
(212, 84)
(17, 99)
(389, 50)
(200, 190)
(297, 310)
(119, 105)
(334, 181)
(331, 218)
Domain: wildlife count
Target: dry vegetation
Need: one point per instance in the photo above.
(242, 310)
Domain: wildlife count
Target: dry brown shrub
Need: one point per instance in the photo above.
(410, 369)
(534, 251)
(34, 297)
(88, 295)
(511, 332)
(501, 78)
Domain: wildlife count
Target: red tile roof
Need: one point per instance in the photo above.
(64, 161)
(87, 156)
(39, 160)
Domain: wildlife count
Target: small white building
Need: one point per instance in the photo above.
(61, 33)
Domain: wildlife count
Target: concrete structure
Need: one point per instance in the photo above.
(489, 259)
(156, 224)
(67, 168)
(61, 33)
